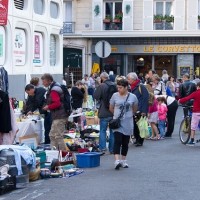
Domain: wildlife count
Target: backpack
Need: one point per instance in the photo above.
(66, 98)
(151, 96)
(108, 93)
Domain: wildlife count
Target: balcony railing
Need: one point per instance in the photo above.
(68, 27)
(163, 25)
(112, 25)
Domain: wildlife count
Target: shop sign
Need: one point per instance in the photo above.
(38, 49)
(172, 49)
(156, 49)
(19, 47)
(3, 12)
(2, 45)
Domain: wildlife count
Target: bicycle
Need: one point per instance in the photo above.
(185, 126)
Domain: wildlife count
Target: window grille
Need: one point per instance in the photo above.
(19, 4)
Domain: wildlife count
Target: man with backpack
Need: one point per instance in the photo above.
(55, 104)
(103, 94)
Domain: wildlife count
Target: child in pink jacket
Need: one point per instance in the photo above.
(162, 115)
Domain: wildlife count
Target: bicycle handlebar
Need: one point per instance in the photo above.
(185, 106)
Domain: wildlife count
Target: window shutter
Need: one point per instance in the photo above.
(192, 10)
(127, 15)
(148, 15)
(179, 14)
(97, 18)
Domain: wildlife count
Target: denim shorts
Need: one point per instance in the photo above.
(195, 121)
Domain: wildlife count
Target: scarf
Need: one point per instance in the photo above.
(134, 84)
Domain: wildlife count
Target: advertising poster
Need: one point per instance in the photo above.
(2, 45)
(19, 47)
(3, 12)
(38, 49)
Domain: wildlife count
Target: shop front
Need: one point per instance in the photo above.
(176, 59)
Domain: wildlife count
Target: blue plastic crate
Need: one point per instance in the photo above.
(88, 159)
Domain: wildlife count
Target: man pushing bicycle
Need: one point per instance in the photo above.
(195, 111)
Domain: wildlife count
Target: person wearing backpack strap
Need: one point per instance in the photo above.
(55, 98)
(103, 94)
(158, 85)
(143, 97)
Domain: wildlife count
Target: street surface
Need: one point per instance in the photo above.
(160, 170)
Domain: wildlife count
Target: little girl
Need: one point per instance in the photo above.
(153, 119)
(162, 115)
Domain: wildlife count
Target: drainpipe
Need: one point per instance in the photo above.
(186, 14)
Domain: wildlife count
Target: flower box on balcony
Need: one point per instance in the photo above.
(116, 20)
(106, 21)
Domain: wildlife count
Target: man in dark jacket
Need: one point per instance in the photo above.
(185, 89)
(143, 97)
(36, 100)
(77, 94)
(103, 113)
(55, 105)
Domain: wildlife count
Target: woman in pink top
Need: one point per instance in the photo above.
(162, 115)
(153, 119)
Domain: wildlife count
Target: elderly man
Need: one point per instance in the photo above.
(55, 99)
(143, 96)
(100, 94)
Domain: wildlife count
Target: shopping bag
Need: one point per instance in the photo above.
(143, 127)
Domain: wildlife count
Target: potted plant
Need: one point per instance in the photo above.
(158, 18)
(96, 10)
(169, 18)
(107, 19)
(118, 18)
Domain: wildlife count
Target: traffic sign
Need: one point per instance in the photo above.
(103, 49)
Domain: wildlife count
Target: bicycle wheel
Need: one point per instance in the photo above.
(185, 130)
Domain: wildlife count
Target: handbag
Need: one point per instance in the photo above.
(116, 123)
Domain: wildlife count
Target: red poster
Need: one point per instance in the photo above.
(37, 47)
(3, 12)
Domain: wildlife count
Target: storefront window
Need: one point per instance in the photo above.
(19, 47)
(52, 50)
(38, 49)
(39, 7)
(54, 9)
(2, 45)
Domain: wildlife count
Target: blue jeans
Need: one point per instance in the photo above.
(161, 127)
(102, 135)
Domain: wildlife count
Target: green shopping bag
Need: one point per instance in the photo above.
(143, 127)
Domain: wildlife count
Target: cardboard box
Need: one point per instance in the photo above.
(92, 120)
(29, 140)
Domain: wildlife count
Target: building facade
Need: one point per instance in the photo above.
(143, 34)
(30, 43)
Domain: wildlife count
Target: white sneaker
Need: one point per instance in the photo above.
(117, 164)
(124, 164)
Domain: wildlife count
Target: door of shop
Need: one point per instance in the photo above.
(143, 63)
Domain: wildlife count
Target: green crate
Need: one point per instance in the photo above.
(43, 157)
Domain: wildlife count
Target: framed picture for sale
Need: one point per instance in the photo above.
(29, 140)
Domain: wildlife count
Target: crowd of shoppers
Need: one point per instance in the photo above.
(135, 96)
